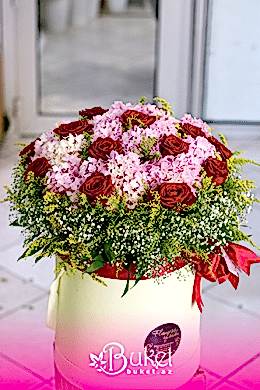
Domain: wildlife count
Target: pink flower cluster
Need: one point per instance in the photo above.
(131, 171)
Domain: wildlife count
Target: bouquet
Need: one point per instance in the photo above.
(133, 191)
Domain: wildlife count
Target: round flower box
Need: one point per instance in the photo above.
(148, 339)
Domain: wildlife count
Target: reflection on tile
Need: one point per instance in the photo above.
(13, 377)
(15, 292)
(249, 376)
(25, 337)
(229, 337)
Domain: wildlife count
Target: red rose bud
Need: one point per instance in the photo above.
(224, 152)
(193, 131)
(39, 167)
(216, 169)
(102, 147)
(97, 184)
(91, 112)
(74, 128)
(29, 150)
(173, 193)
(137, 116)
(172, 146)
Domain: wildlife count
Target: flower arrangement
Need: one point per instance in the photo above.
(137, 191)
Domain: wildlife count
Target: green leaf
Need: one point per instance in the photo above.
(39, 257)
(94, 254)
(31, 252)
(23, 255)
(97, 264)
(127, 283)
(138, 278)
(15, 223)
(108, 252)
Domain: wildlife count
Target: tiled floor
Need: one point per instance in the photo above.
(230, 323)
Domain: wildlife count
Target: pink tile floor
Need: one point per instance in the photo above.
(230, 323)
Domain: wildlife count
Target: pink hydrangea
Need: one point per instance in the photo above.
(131, 174)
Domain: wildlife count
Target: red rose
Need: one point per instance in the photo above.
(74, 128)
(102, 147)
(216, 169)
(137, 116)
(173, 193)
(191, 130)
(224, 152)
(29, 150)
(39, 167)
(173, 146)
(97, 184)
(91, 112)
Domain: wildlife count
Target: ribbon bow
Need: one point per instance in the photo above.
(233, 260)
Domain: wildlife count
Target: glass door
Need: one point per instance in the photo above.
(78, 54)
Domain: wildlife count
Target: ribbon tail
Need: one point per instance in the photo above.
(233, 280)
(241, 256)
(196, 295)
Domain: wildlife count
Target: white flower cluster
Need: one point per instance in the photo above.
(55, 150)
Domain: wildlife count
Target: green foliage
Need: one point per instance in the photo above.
(145, 148)
(134, 118)
(223, 139)
(142, 100)
(98, 263)
(165, 105)
(84, 153)
(152, 237)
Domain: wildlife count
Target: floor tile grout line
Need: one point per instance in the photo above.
(21, 366)
(234, 372)
(217, 376)
(250, 312)
(23, 305)
(210, 287)
(17, 276)
(38, 386)
(237, 385)
(233, 305)
(222, 300)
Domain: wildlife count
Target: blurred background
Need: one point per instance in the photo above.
(60, 56)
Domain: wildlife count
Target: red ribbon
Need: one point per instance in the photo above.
(217, 268)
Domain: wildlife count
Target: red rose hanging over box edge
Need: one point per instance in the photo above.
(137, 191)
